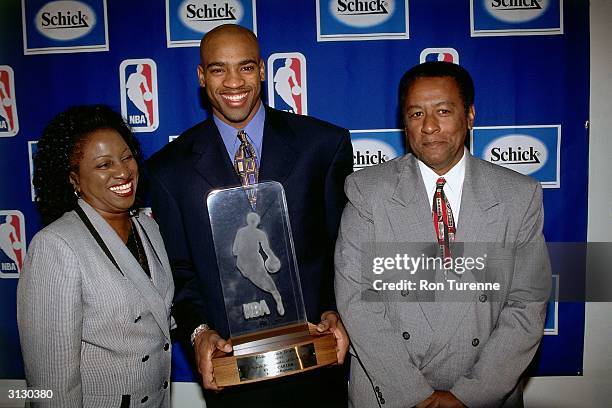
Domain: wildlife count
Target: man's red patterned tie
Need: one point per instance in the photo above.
(443, 220)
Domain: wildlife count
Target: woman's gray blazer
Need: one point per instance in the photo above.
(95, 337)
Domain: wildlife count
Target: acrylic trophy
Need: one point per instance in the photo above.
(261, 287)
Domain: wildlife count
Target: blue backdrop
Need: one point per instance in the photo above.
(529, 63)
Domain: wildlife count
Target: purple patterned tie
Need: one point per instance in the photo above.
(245, 163)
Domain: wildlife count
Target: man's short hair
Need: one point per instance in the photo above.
(436, 69)
(228, 28)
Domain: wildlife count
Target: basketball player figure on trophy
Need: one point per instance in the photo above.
(135, 92)
(250, 262)
(283, 86)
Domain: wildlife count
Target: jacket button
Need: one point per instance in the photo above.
(475, 342)
(145, 358)
(406, 335)
(137, 319)
(405, 292)
(166, 347)
(145, 399)
(377, 389)
(165, 384)
(382, 401)
(482, 298)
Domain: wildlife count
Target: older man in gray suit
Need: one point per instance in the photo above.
(417, 348)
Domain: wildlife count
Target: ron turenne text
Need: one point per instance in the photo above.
(425, 285)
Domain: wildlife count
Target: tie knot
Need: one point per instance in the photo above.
(440, 182)
(242, 136)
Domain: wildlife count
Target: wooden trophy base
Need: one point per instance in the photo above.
(273, 354)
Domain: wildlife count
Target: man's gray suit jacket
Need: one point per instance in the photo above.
(477, 347)
(89, 333)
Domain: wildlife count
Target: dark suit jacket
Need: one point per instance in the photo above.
(309, 157)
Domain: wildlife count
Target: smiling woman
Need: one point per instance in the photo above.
(61, 149)
(106, 177)
(94, 297)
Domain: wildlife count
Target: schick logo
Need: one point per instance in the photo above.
(372, 150)
(362, 13)
(366, 158)
(211, 13)
(204, 15)
(515, 155)
(519, 152)
(61, 20)
(532, 150)
(516, 4)
(357, 7)
(65, 20)
(516, 11)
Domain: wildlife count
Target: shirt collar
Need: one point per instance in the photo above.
(256, 125)
(254, 130)
(454, 177)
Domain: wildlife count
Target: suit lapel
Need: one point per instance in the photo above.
(477, 201)
(211, 160)
(131, 268)
(280, 149)
(478, 222)
(409, 204)
(278, 157)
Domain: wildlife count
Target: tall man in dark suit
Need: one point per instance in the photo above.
(310, 158)
(442, 347)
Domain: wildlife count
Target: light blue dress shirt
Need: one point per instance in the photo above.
(254, 130)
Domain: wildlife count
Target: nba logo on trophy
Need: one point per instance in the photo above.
(287, 88)
(12, 243)
(9, 125)
(139, 101)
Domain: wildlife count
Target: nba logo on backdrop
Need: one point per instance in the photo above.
(188, 21)
(342, 20)
(12, 243)
(516, 17)
(139, 101)
(9, 125)
(64, 26)
(287, 88)
(439, 54)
